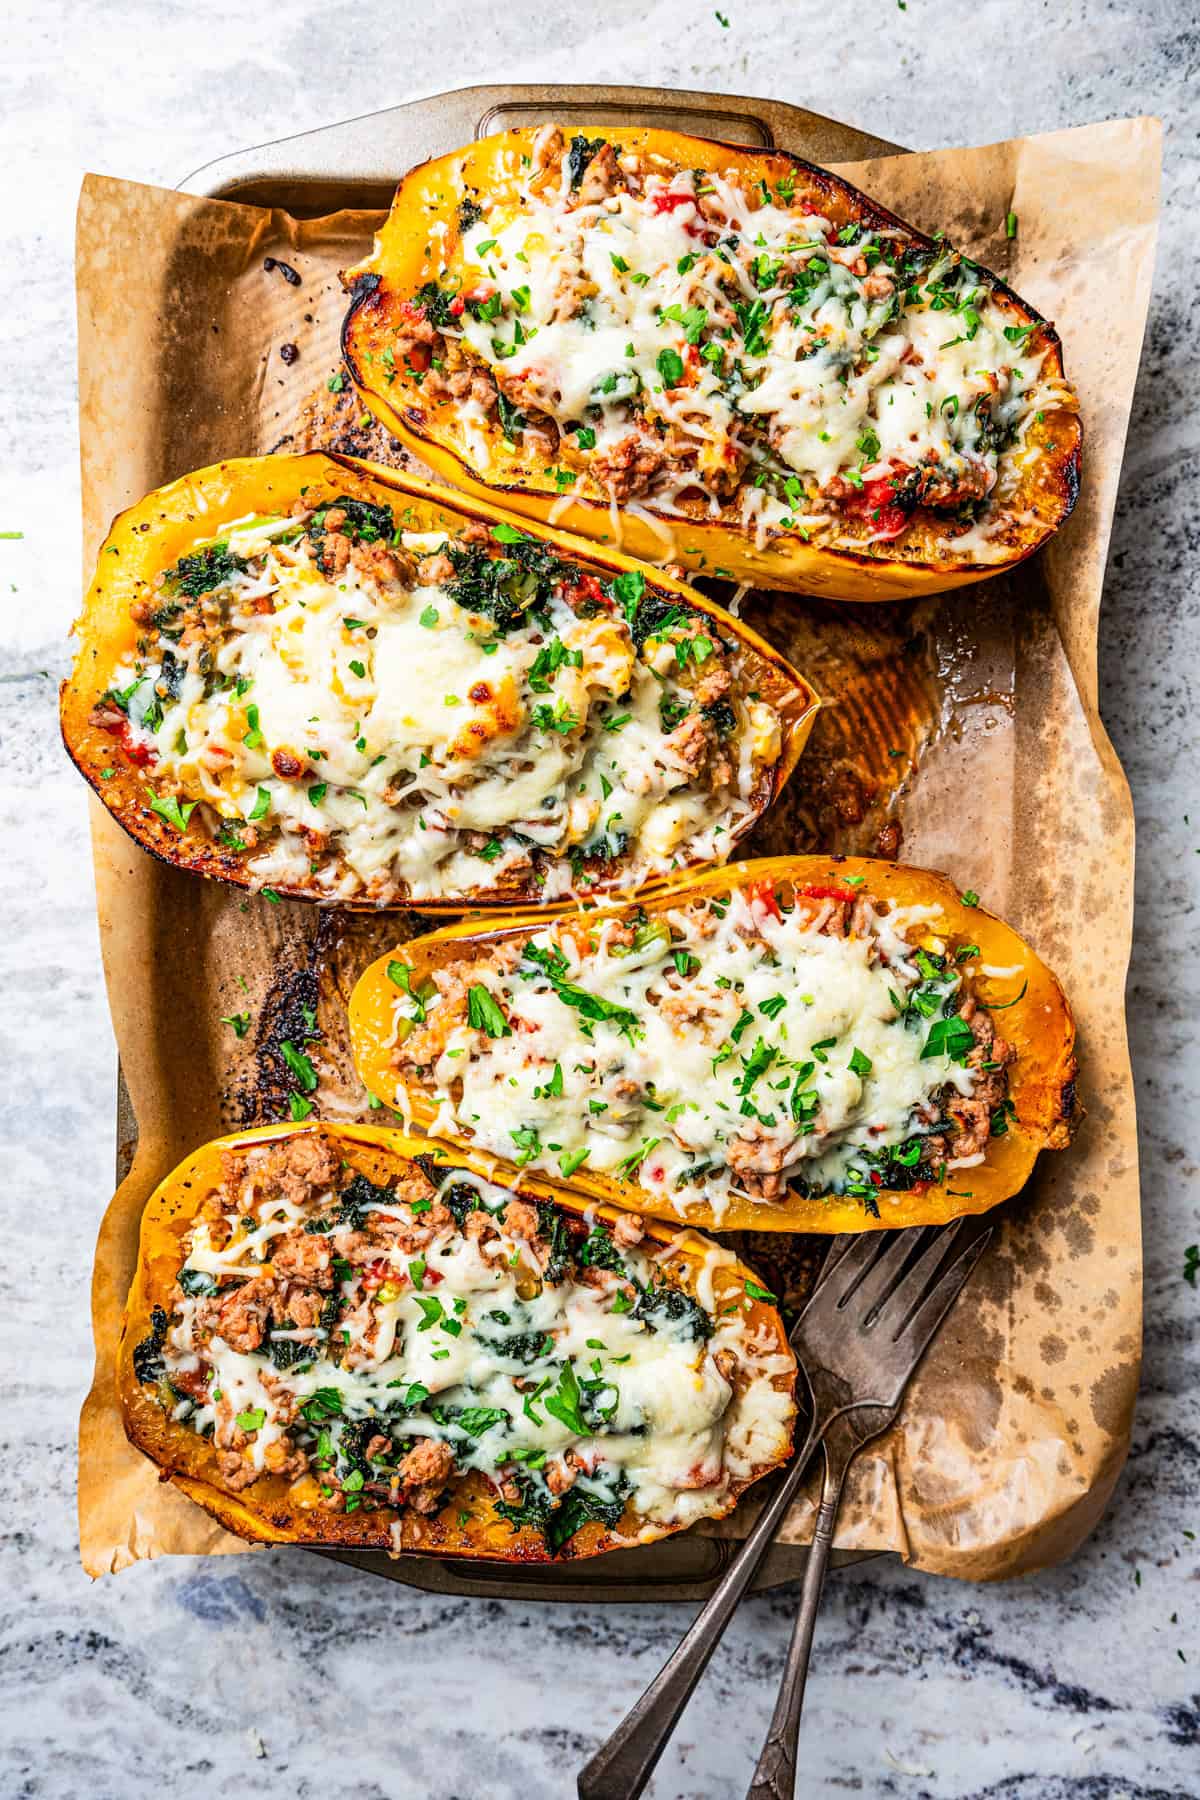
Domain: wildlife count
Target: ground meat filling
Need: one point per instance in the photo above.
(384, 1346)
(683, 1050)
(747, 327)
(357, 712)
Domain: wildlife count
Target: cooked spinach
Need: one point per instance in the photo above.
(720, 716)
(512, 422)
(554, 1228)
(357, 1199)
(352, 1441)
(170, 677)
(576, 1509)
(285, 1353)
(535, 1505)
(654, 616)
(201, 571)
(435, 302)
(599, 1252)
(461, 1198)
(365, 523)
(196, 1282)
(580, 155)
(148, 1361)
(505, 588)
(665, 1305)
(526, 1347)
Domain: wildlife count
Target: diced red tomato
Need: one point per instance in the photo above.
(876, 501)
(586, 587)
(418, 358)
(762, 893)
(193, 1381)
(458, 306)
(141, 755)
(376, 1273)
(672, 202)
(812, 892)
(434, 1277)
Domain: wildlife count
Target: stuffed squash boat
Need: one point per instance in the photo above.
(336, 1337)
(719, 355)
(796, 1044)
(315, 676)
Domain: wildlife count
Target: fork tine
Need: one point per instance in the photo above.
(875, 1287)
(896, 1306)
(842, 1270)
(914, 1337)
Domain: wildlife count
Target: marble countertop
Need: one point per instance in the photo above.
(282, 1676)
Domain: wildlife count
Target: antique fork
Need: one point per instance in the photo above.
(877, 1305)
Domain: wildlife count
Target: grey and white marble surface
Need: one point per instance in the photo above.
(278, 1676)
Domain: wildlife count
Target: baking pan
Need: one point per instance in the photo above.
(985, 697)
(357, 162)
(354, 165)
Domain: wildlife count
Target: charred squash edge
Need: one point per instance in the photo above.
(152, 535)
(427, 196)
(267, 1512)
(1039, 1024)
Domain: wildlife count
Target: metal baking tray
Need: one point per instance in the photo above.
(354, 165)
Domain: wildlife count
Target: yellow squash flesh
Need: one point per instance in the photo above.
(416, 245)
(168, 523)
(274, 1510)
(1039, 1026)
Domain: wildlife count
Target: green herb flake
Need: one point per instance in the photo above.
(167, 807)
(761, 1293)
(300, 1065)
(484, 1014)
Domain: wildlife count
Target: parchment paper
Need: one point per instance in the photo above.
(970, 723)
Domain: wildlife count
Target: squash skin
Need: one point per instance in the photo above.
(154, 533)
(1040, 1026)
(405, 256)
(270, 1512)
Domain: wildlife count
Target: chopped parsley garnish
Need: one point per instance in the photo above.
(484, 1014)
(167, 807)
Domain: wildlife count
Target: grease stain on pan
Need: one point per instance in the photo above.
(336, 422)
(305, 1007)
(876, 670)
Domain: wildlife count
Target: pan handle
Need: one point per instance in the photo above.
(700, 117)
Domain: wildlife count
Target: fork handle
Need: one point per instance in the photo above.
(775, 1772)
(621, 1767)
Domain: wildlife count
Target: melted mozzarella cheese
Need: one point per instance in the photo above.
(735, 1045)
(390, 722)
(805, 358)
(668, 1428)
